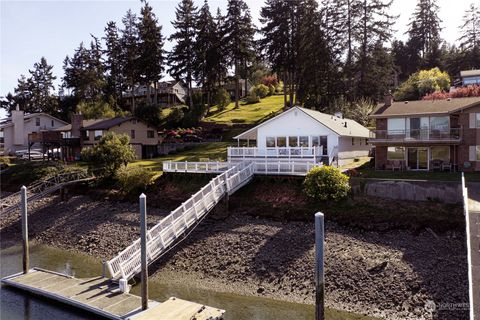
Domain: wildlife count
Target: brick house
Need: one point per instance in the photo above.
(427, 135)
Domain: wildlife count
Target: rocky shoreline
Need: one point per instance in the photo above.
(391, 274)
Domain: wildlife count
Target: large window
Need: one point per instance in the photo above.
(440, 153)
(396, 125)
(396, 153)
(98, 134)
(150, 134)
(270, 142)
(293, 141)
(439, 123)
(477, 120)
(281, 142)
(303, 141)
(315, 141)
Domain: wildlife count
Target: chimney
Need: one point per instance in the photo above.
(77, 124)
(388, 99)
(18, 121)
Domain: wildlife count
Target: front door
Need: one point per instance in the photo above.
(417, 158)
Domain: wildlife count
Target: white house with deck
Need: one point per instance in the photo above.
(304, 135)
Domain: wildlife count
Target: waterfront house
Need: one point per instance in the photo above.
(15, 130)
(85, 133)
(169, 93)
(427, 134)
(304, 134)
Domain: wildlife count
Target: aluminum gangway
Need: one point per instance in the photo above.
(177, 224)
(40, 189)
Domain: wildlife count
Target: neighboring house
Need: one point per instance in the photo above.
(470, 77)
(169, 93)
(427, 135)
(301, 133)
(15, 130)
(143, 138)
(244, 88)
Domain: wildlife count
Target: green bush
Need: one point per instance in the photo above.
(133, 179)
(111, 153)
(222, 98)
(261, 90)
(252, 98)
(326, 183)
(422, 83)
(271, 90)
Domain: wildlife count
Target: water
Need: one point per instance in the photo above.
(17, 304)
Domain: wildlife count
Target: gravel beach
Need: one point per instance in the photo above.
(394, 274)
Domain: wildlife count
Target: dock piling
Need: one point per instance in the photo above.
(143, 245)
(23, 209)
(319, 272)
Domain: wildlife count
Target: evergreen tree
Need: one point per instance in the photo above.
(150, 49)
(181, 57)
(208, 62)
(23, 95)
(41, 87)
(113, 67)
(424, 27)
(239, 33)
(470, 36)
(129, 43)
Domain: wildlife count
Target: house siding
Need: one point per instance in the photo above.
(348, 151)
(471, 137)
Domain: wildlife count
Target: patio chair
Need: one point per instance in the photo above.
(446, 166)
(436, 165)
(397, 165)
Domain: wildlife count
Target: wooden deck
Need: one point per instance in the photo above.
(101, 296)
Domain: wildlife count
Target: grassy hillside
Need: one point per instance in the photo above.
(247, 113)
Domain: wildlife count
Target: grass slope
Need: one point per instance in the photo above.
(247, 113)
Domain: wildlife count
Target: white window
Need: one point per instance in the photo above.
(303, 141)
(66, 134)
(293, 141)
(315, 141)
(98, 134)
(270, 142)
(396, 153)
(281, 142)
(37, 122)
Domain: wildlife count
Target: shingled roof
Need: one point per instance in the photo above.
(107, 123)
(406, 108)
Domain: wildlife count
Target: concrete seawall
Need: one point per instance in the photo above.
(414, 190)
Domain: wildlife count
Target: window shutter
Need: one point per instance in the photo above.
(472, 120)
(472, 153)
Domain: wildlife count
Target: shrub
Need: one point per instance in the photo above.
(279, 87)
(110, 154)
(463, 92)
(222, 98)
(421, 83)
(261, 90)
(270, 80)
(252, 98)
(271, 90)
(133, 179)
(326, 183)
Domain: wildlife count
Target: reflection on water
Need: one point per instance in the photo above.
(19, 305)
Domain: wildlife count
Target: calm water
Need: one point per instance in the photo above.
(19, 305)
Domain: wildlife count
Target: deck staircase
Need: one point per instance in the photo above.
(179, 222)
(41, 188)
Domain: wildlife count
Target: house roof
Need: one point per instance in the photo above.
(7, 122)
(342, 127)
(105, 124)
(469, 73)
(444, 106)
(85, 123)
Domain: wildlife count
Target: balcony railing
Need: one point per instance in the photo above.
(416, 135)
(281, 152)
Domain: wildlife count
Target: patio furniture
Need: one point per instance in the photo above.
(437, 165)
(446, 166)
(397, 165)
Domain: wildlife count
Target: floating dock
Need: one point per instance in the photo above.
(102, 296)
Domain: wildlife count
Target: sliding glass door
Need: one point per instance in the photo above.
(417, 158)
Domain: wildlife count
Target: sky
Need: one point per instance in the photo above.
(53, 29)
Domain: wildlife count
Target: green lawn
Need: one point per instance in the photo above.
(247, 113)
(214, 151)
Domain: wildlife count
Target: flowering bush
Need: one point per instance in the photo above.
(326, 183)
(463, 92)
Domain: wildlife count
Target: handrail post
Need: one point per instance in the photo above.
(319, 272)
(26, 253)
(143, 245)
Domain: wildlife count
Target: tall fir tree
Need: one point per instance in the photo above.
(180, 59)
(424, 28)
(130, 54)
(112, 63)
(239, 32)
(470, 36)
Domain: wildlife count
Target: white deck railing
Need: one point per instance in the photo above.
(281, 153)
(197, 167)
(127, 263)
